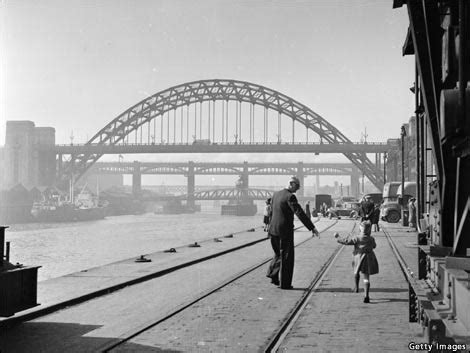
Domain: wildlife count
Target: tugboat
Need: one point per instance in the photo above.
(243, 205)
(239, 208)
(177, 207)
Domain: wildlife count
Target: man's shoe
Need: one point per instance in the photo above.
(366, 300)
(287, 287)
(275, 281)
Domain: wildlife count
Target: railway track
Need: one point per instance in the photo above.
(118, 344)
(277, 338)
(105, 290)
(136, 319)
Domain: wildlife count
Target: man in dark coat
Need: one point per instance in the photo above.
(281, 231)
(367, 209)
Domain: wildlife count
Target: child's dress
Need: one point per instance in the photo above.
(364, 259)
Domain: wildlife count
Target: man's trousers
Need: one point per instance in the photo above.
(282, 264)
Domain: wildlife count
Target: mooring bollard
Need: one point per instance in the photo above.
(142, 258)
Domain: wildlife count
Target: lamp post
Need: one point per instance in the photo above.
(404, 211)
(385, 167)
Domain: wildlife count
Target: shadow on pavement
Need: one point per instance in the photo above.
(376, 290)
(52, 337)
(388, 290)
(387, 300)
(343, 290)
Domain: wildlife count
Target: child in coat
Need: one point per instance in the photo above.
(267, 214)
(364, 259)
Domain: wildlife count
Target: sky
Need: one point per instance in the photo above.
(75, 65)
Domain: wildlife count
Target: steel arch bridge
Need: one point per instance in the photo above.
(231, 194)
(154, 108)
(224, 168)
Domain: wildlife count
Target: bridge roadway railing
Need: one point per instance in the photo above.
(300, 147)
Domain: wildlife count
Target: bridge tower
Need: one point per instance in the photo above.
(136, 180)
(245, 175)
(355, 182)
(301, 176)
(191, 184)
(25, 161)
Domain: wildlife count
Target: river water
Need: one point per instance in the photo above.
(62, 248)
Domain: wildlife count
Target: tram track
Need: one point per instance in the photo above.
(289, 321)
(39, 312)
(117, 320)
(276, 342)
(115, 345)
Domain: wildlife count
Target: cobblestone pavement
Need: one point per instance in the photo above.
(96, 323)
(243, 316)
(337, 320)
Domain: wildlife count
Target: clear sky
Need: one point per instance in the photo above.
(77, 64)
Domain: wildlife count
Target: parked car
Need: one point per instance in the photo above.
(347, 209)
(393, 197)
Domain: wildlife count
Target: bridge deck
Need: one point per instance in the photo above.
(224, 148)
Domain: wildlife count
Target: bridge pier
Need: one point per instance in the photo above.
(245, 175)
(191, 184)
(136, 180)
(378, 161)
(301, 176)
(59, 166)
(355, 182)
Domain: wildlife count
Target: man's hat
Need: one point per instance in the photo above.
(294, 180)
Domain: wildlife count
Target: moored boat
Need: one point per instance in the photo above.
(85, 208)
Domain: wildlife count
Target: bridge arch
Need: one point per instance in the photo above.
(218, 90)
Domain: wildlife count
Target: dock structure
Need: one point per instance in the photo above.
(216, 297)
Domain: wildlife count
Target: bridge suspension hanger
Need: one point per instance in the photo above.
(223, 121)
(252, 108)
(226, 122)
(200, 120)
(187, 123)
(195, 121)
(209, 120)
(265, 124)
(236, 121)
(213, 120)
(240, 121)
(181, 124)
(174, 126)
(293, 130)
(168, 126)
